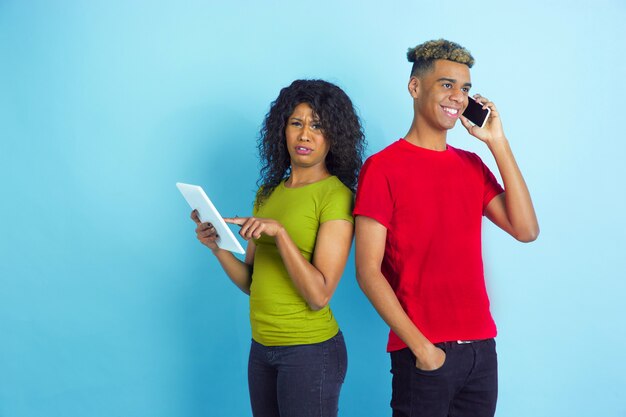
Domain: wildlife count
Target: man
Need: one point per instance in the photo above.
(419, 209)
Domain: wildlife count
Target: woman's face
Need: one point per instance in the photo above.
(305, 140)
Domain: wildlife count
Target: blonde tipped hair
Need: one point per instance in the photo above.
(424, 55)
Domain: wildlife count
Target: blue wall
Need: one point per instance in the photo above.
(110, 307)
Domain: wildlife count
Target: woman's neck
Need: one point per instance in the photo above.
(301, 176)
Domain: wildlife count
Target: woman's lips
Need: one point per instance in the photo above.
(302, 150)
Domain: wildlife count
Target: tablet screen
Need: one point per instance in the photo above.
(198, 200)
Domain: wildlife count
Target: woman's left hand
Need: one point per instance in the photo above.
(254, 227)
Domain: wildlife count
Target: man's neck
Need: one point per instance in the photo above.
(426, 137)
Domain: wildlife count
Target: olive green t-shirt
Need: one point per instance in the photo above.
(279, 316)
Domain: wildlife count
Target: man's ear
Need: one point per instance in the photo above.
(413, 86)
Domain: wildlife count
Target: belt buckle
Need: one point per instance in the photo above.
(464, 342)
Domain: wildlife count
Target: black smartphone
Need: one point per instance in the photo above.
(475, 112)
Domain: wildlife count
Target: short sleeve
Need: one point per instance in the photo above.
(491, 186)
(255, 210)
(256, 207)
(337, 205)
(373, 196)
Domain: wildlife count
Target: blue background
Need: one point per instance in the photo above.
(110, 307)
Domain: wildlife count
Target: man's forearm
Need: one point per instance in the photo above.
(384, 300)
(519, 206)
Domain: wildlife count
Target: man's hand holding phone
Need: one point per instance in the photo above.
(485, 128)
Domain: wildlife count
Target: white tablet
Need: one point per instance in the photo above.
(198, 200)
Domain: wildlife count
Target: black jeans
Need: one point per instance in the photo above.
(465, 386)
(297, 381)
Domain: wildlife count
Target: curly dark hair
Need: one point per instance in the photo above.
(339, 123)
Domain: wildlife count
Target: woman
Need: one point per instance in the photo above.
(299, 237)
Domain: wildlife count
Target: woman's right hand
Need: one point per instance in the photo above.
(205, 232)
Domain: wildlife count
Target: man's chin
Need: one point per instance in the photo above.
(448, 124)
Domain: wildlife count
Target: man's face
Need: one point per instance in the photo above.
(441, 94)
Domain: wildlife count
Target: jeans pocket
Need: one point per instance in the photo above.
(341, 353)
(437, 371)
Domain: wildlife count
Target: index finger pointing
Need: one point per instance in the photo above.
(236, 220)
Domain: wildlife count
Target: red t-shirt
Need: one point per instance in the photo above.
(432, 205)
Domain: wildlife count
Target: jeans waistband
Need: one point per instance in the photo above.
(461, 342)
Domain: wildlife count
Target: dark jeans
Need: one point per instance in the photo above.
(465, 386)
(297, 381)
